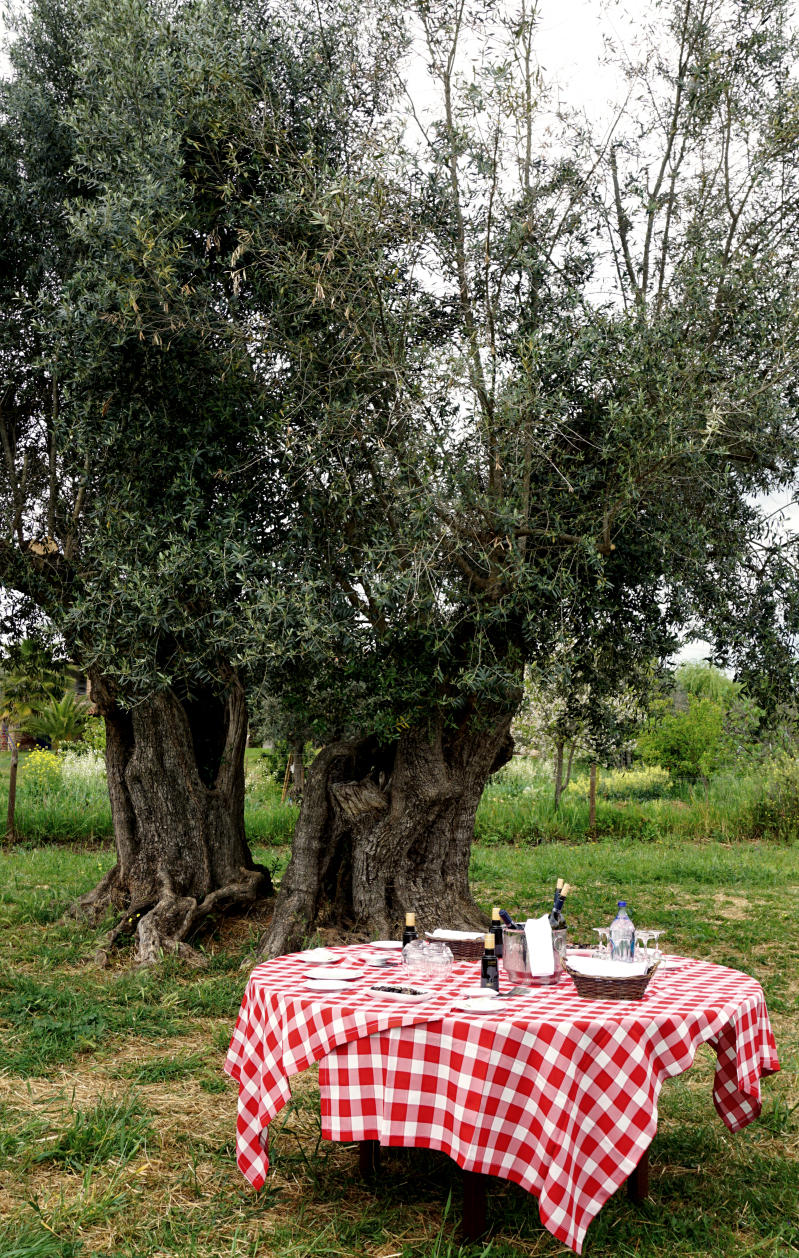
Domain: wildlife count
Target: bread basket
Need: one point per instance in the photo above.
(600, 987)
(461, 949)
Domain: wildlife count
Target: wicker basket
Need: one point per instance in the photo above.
(461, 949)
(595, 987)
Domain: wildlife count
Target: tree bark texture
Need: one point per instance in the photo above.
(386, 830)
(558, 771)
(572, 750)
(176, 785)
(297, 770)
(12, 785)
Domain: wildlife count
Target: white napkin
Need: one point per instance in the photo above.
(599, 967)
(457, 934)
(540, 953)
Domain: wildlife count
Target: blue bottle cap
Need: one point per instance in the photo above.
(622, 904)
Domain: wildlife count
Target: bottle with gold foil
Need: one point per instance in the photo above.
(409, 932)
(489, 966)
(496, 930)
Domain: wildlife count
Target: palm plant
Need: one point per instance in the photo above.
(61, 720)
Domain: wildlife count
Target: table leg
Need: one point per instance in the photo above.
(369, 1158)
(474, 1205)
(638, 1182)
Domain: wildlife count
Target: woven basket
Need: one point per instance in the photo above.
(594, 987)
(461, 949)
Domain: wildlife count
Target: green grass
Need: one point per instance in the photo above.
(518, 807)
(71, 815)
(117, 1126)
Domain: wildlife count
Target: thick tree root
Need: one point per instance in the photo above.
(162, 921)
(93, 906)
(164, 929)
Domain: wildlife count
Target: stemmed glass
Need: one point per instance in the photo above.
(643, 940)
(602, 948)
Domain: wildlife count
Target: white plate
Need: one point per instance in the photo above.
(478, 993)
(335, 972)
(325, 984)
(388, 945)
(320, 956)
(382, 963)
(481, 1005)
(408, 1000)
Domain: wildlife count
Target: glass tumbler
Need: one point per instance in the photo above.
(414, 957)
(438, 960)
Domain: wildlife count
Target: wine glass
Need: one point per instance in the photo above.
(602, 948)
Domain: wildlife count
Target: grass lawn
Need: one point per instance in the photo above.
(117, 1124)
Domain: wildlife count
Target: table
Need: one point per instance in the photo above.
(555, 1093)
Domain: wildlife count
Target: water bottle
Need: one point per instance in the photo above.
(622, 935)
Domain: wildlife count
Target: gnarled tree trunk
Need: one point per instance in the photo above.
(176, 785)
(385, 830)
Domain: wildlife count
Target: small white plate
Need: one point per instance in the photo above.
(336, 972)
(382, 963)
(325, 984)
(408, 1000)
(320, 956)
(388, 945)
(480, 1005)
(478, 993)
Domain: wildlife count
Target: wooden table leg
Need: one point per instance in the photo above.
(638, 1182)
(474, 1205)
(369, 1158)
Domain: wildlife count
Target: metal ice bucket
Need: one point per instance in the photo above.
(517, 967)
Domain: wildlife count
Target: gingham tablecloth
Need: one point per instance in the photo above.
(553, 1092)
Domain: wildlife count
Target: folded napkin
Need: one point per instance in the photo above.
(540, 953)
(598, 967)
(457, 934)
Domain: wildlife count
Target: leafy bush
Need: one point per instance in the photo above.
(776, 811)
(689, 744)
(651, 782)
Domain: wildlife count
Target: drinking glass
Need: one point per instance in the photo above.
(603, 949)
(438, 959)
(414, 957)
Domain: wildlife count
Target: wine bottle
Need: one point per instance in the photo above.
(409, 932)
(489, 966)
(496, 929)
(558, 887)
(507, 919)
(556, 919)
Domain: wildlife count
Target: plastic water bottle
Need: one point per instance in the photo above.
(622, 935)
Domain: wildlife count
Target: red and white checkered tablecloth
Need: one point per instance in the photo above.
(556, 1093)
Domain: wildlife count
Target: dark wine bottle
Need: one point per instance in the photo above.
(489, 966)
(507, 919)
(556, 919)
(409, 932)
(558, 888)
(496, 929)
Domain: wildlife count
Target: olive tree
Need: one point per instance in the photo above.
(128, 132)
(533, 390)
